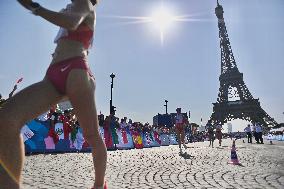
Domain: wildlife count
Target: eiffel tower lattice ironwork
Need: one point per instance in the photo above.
(234, 99)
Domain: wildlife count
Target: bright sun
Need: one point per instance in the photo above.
(162, 19)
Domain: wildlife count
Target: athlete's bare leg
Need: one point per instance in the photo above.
(80, 89)
(24, 106)
(182, 135)
(178, 138)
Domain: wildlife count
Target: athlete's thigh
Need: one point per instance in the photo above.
(177, 132)
(30, 102)
(80, 89)
(182, 133)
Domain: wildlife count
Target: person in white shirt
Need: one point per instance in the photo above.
(249, 135)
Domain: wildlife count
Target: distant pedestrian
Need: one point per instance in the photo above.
(258, 130)
(114, 124)
(249, 135)
(254, 133)
(210, 132)
(219, 134)
(230, 136)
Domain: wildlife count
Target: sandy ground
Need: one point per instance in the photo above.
(163, 167)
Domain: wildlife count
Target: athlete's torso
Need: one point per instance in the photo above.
(218, 128)
(179, 119)
(210, 129)
(74, 43)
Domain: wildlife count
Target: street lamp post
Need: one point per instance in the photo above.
(111, 87)
(166, 105)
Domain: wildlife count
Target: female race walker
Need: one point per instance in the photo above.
(179, 127)
(210, 132)
(219, 133)
(68, 77)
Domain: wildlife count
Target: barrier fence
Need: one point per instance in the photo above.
(39, 138)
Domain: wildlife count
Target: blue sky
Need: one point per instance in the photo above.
(184, 70)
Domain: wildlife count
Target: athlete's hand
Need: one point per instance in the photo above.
(25, 3)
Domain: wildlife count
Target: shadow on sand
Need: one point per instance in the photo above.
(186, 155)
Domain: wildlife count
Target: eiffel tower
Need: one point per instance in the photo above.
(234, 99)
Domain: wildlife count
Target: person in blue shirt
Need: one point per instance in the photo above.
(249, 135)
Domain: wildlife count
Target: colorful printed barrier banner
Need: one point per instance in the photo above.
(280, 137)
(46, 140)
(147, 139)
(107, 137)
(151, 140)
(40, 138)
(26, 133)
(173, 139)
(125, 139)
(36, 142)
(157, 140)
(165, 140)
(275, 137)
(137, 140)
(268, 137)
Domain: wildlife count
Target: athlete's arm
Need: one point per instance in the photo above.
(68, 20)
(12, 92)
(25, 3)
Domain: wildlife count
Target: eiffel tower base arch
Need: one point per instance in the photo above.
(246, 110)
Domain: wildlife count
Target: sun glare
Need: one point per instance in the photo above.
(162, 19)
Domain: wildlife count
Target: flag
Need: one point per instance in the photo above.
(124, 136)
(26, 133)
(49, 143)
(20, 80)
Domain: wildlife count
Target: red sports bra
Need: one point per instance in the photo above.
(83, 34)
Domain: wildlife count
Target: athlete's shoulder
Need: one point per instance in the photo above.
(84, 4)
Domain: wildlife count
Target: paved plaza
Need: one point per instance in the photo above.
(162, 167)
